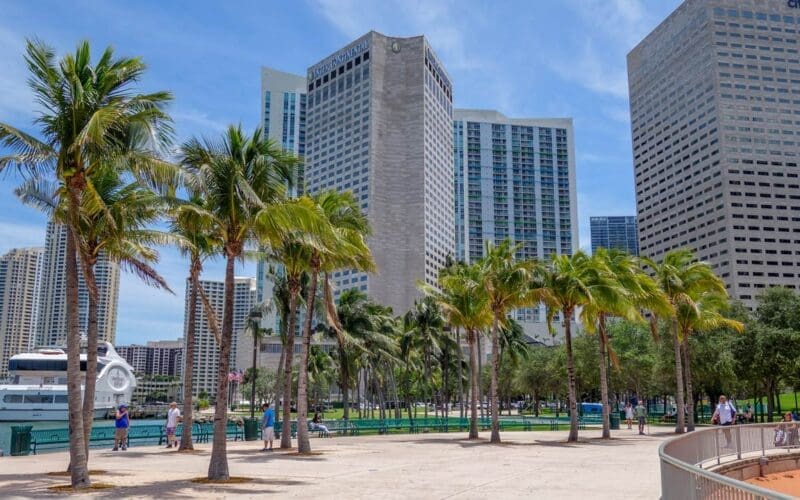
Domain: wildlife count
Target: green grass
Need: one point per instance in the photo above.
(787, 401)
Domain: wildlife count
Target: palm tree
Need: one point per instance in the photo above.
(244, 179)
(428, 328)
(347, 248)
(294, 256)
(89, 112)
(463, 298)
(118, 231)
(197, 240)
(627, 291)
(683, 280)
(508, 285)
(701, 313)
(352, 319)
(570, 283)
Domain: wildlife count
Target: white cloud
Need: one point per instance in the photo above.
(198, 118)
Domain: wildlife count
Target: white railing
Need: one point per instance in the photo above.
(686, 459)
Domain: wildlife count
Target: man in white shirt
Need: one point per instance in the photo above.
(725, 415)
(173, 417)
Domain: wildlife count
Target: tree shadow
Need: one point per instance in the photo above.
(462, 442)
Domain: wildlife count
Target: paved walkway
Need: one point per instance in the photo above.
(398, 466)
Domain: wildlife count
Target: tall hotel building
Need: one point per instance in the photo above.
(52, 324)
(515, 179)
(715, 118)
(617, 232)
(379, 123)
(206, 348)
(19, 302)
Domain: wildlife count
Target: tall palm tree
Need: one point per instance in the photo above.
(701, 313)
(353, 320)
(244, 179)
(628, 291)
(463, 298)
(428, 329)
(88, 113)
(117, 231)
(294, 255)
(571, 283)
(507, 282)
(346, 248)
(683, 280)
(198, 241)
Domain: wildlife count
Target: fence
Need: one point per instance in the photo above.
(686, 460)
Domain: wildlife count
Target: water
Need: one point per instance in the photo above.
(5, 428)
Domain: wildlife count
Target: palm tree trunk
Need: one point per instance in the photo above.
(344, 377)
(572, 391)
(473, 379)
(480, 374)
(303, 442)
(461, 410)
(279, 370)
(90, 378)
(427, 378)
(78, 459)
(601, 345)
(188, 362)
(396, 400)
(679, 401)
(288, 348)
(218, 465)
(495, 370)
(687, 373)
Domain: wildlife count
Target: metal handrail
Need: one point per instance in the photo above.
(683, 459)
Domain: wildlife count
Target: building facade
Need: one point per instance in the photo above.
(379, 124)
(618, 232)
(52, 324)
(160, 357)
(283, 104)
(715, 120)
(514, 179)
(20, 271)
(206, 348)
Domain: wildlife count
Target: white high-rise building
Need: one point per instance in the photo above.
(515, 179)
(19, 300)
(206, 348)
(379, 121)
(52, 324)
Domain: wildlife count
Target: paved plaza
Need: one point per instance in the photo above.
(528, 464)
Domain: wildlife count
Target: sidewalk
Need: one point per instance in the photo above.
(396, 466)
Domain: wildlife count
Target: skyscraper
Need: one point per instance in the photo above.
(379, 123)
(158, 357)
(283, 102)
(206, 347)
(514, 179)
(19, 300)
(615, 232)
(715, 119)
(52, 329)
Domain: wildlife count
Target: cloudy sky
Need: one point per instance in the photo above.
(542, 58)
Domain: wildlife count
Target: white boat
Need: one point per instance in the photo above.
(38, 390)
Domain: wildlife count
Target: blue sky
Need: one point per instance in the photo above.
(542, 58)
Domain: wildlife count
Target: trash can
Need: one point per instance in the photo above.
(614, 420)
(21, 440)
(250, 429)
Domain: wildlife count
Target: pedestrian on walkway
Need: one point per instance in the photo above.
(629, 415)
(173, 417)
(121, 432)
(724, 415)
(268, 426)
(641, 416)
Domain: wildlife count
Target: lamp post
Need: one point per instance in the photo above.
(255, 320)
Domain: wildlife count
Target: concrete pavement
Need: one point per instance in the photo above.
(527, 464)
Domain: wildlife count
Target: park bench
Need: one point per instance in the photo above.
(279, 429)
(56, 438)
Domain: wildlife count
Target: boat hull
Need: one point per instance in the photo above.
(43, 415)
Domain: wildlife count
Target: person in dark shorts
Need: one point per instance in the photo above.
(641, 416)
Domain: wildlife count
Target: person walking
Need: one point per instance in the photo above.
(724, 415)
(173, 417)
(629, 415)
(641, 416)
(122, 422)
(268, 426)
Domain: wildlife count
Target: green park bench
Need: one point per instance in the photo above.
(56, 438)
(279, 429)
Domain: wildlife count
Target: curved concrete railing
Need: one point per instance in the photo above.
(687, 460)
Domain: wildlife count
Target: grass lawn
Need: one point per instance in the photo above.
(787, 401)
